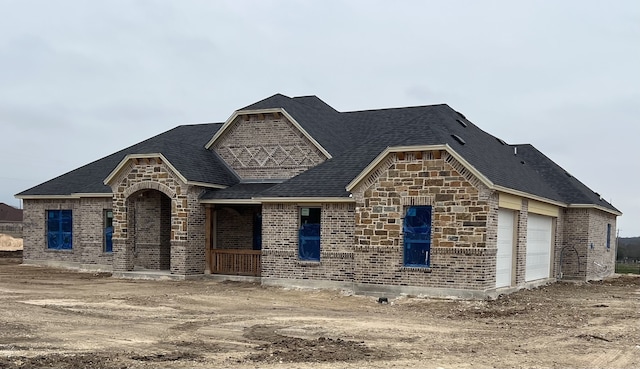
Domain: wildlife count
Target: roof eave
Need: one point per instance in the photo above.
(230, 201)
(62, 197)
(529, 196)
(304, 199)
(594, 206)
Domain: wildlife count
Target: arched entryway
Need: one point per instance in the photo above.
(149, 229)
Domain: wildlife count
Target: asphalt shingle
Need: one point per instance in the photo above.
(353, 139)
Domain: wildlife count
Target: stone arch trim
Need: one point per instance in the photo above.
(149, 185)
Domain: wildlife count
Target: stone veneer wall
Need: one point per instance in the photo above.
(187, 215)
(464, 223)
(280, 243)
(267, 147)
(88, 231)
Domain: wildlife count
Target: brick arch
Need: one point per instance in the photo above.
(149, 185)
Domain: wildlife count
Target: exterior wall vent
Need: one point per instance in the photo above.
(459, 139)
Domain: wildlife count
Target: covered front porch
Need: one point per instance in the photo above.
(233, 239)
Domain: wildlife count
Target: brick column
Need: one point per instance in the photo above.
(122, 255)
(521, 246)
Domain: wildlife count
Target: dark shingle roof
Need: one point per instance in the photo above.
(183, 146)
(320, 120)
(372, 131)
(570, 189)
(241, 191)
(10, 214)
(354, 139)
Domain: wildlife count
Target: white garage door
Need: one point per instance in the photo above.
(539, 233)
(504, 257)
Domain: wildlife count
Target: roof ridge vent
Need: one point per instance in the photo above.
(461, 115)
(459, 139)
(461, 122)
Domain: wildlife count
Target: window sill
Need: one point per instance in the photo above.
(309, 263)
(409, 268)
(58, 250)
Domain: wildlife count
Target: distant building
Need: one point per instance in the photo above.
(9, 214)
(415, 200)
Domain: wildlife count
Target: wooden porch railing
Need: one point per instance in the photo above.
(235, 262)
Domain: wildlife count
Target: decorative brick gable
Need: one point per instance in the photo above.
(266, 147)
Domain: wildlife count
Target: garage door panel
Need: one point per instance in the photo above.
(539, 236)
(504, 256)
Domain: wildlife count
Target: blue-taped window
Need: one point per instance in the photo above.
(108, 231)
(59, 229)
(608, 236)
(417, 236)
(309, 234)
(257, 231)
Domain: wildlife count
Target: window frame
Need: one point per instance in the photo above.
(315, 254)
(105, 224)
(608, 236)
(407, 242)
(63, 219)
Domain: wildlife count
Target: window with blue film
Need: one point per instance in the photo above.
(257, 231)
(108, 231)
(417, 236)
(309, 234)
(59, 229)
(608, 236)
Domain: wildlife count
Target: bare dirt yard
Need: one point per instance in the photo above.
(65, 319)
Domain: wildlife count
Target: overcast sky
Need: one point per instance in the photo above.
(82, 79)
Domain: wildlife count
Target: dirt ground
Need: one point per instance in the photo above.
(65, 319)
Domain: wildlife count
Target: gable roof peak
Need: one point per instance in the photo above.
(274, 101)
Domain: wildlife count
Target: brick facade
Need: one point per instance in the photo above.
(267, 147)
(234, 226)
(585, 254)
(88, 232)
(159, 221)
(280, 224)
